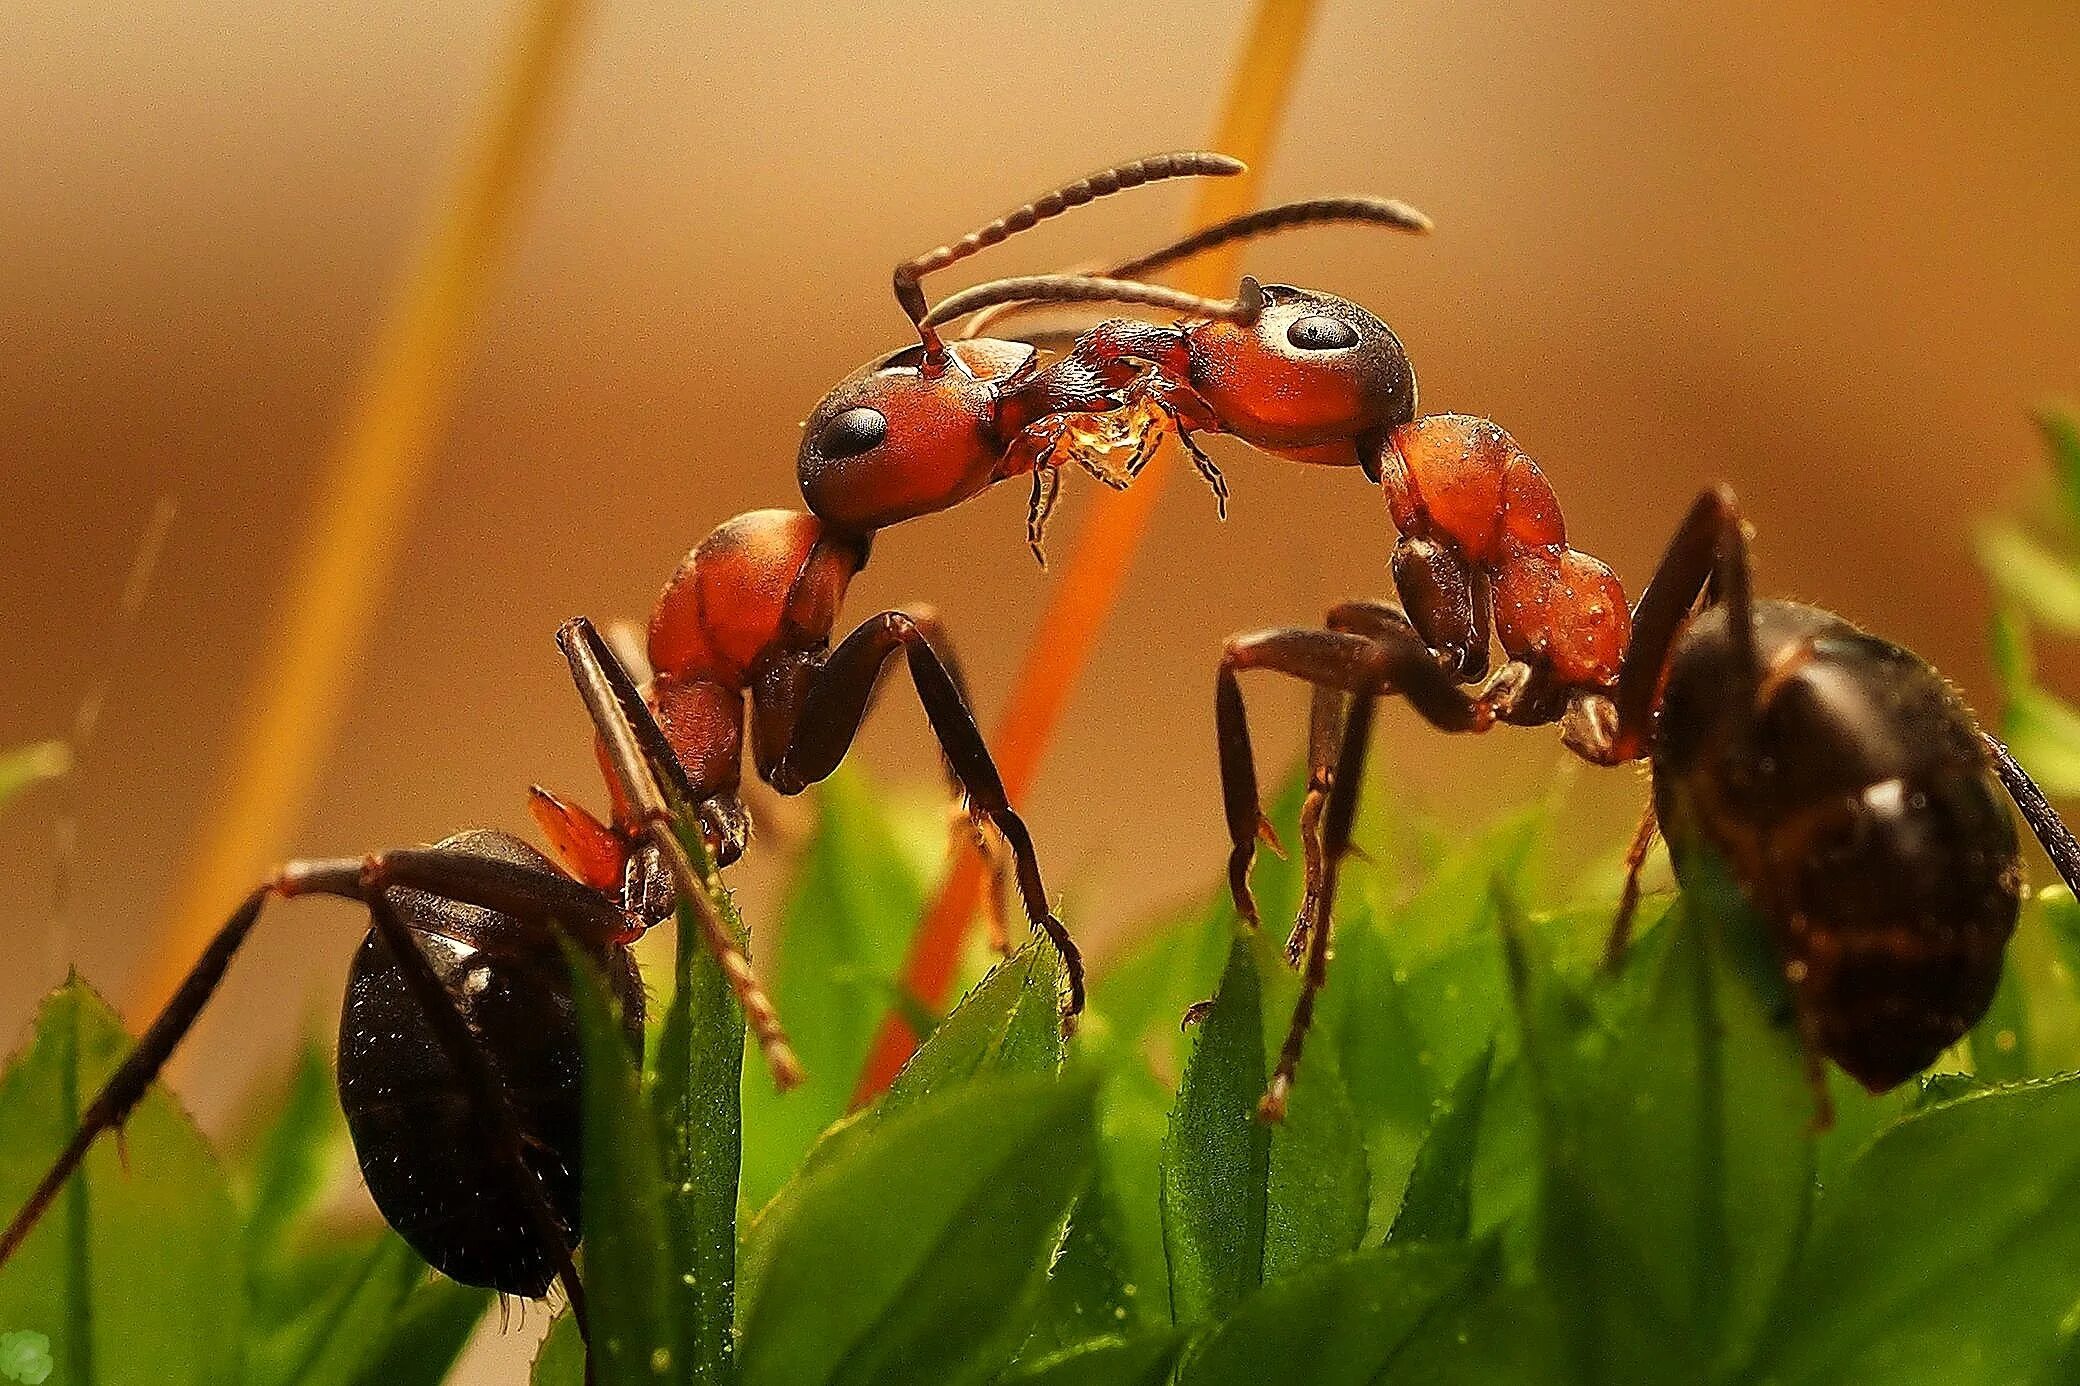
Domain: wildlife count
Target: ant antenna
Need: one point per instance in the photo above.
(1086, 288)
(1269, 221)
(906, 280)
(1320, 211)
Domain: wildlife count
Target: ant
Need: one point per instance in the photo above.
(1852, 793)
(927, 426)
(1838, 776)
(751, 613)
(459, 1059)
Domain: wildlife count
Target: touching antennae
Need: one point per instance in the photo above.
(1085, 288)
(908, 275)
(1373, 211)
(1319, 211)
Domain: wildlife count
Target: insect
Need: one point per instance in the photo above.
(1849, 791)
(743, 642)
(927, 426)
(459, 1058)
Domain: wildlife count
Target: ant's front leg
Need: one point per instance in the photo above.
(1388, 658)
(806, 723)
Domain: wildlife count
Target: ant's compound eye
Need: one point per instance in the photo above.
(853, 432)
(1316, 333)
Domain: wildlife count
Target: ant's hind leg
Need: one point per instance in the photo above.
(828, 718)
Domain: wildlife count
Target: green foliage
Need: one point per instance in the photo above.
(1501, 1164)
(2035, 570)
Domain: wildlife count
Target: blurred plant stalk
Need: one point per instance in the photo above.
(1251, 110)
(300, 689)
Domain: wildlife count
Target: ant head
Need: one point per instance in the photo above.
(1309, 370)
(907, 435)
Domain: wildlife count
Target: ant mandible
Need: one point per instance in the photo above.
(1837, 776)
(459, 1055)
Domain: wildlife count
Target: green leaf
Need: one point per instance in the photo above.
(2030, 575)
(1343, 1321)
(1316, 1197)
(1946, 1253)
(27, 765)
(1439, 1203)
(1010, 1023)
(339, 1331)
(627, 1268)
(2061, 430)
(2001, 1044)
(2041, 729)
(560, 1360)
(428, 1335)
(1090, 1289)
(1133, 1119)
(1142, 1360)
(299, 1143)
(1678, 1159)
(1216, 1160)
(134, 1276)
(695, 1087)
(916, 1254)
(840, 949)
(1379, 1047)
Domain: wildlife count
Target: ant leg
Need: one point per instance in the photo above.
(1628, 899)
(1392, 660)
(127, 1086)
(829, 717)
(487, 1092)
(634, 748)
(1325, 716)
(2050, 830)
(365, 880)
(988, 847)
(1208, 472)
(1319, 911)
(1047, 488)
(1708, 555)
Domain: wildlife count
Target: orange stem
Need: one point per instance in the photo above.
(1091, 581)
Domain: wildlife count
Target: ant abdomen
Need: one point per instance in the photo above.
(1845, 786)
(428, 1160)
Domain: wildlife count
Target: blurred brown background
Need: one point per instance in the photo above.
(1825, 252)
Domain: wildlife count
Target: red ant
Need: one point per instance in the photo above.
(752, 611)
(1839, 778)
(1892, 904)
(459, 1055)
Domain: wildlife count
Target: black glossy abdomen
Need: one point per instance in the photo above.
(426, 1154)
(1903, 911)
(1863, 820)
